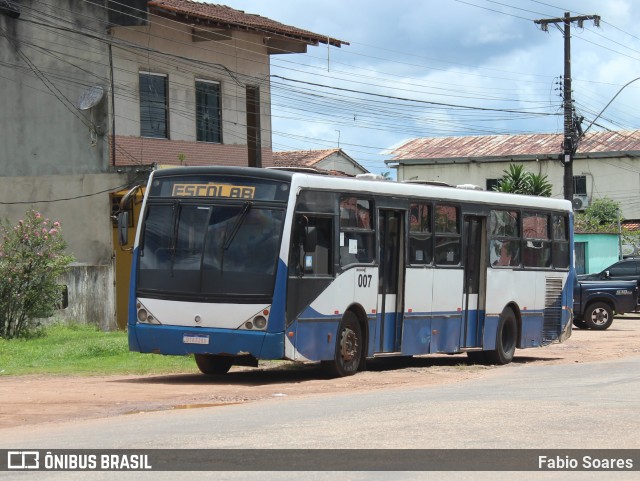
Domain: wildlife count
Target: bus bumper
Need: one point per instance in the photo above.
(180, 341)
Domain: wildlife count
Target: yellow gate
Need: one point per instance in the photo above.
(122, 254)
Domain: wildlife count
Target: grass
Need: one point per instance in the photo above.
(79, 349)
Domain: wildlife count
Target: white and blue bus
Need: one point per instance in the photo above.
(235, 264)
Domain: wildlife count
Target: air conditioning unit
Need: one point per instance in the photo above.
(580, 202)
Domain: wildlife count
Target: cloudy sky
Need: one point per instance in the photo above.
(446, 68)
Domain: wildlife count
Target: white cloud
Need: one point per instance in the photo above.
(450, 52)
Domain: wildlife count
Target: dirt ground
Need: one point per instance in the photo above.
(30, 400)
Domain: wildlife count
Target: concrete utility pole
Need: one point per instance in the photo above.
(570, 143)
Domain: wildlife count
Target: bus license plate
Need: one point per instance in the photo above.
(195, 339)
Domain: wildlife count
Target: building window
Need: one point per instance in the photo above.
(580, 184)
(208, 112)
(254, 138)
(492, 184)
(581, 257)
(154, 106)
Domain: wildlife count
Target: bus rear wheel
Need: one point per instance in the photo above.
(349, 345)
(212, 365)
(506, 339)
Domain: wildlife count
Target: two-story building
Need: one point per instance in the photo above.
(96, 93)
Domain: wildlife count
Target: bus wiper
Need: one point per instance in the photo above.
(240, 219)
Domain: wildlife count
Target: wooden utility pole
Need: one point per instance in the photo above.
(570, 143)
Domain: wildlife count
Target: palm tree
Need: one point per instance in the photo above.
(539, 185)
(516, 180)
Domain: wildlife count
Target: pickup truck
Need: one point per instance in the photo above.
(596, 302)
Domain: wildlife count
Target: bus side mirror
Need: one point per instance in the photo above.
(123, 228)
(607, 274)
(310, 241)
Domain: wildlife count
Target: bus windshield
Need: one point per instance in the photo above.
(207, 251)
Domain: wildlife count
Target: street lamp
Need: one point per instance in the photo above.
(605, 107)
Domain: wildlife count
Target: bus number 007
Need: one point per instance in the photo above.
(364, 280)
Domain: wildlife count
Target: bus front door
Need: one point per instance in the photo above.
(473, 302)
(391, 278)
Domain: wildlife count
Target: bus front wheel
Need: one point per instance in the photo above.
(349, 345)
(506, 339)
(213, 365)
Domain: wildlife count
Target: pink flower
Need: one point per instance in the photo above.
(38, 215)
(53, 231)
(56, 224)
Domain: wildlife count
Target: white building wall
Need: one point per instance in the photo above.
(616, 178)
(341, 164)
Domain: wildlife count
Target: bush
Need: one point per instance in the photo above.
(32, 259)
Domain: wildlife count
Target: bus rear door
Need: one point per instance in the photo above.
(473, 302)
(391, 279)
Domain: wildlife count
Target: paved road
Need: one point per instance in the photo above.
(590, 405)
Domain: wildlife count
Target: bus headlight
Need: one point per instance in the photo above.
(260, 322)
(144, 316)
(257, 322)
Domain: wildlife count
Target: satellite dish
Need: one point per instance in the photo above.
(90, 97)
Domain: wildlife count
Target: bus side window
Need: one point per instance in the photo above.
(448, 237)
(537, 241)
(357, 237)
(420, 237)
(560, 242)
(504, 230)
(308, 260)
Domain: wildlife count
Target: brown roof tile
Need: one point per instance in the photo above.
(227, 16)
(301, 158)
(513, 145)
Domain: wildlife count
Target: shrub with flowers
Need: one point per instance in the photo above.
(32, 259)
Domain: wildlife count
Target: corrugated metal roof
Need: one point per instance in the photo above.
(513, 145)
(227, 16)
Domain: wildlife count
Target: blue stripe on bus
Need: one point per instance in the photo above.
(170, 340)
(133, 315)
(423, 333)
(278, 306)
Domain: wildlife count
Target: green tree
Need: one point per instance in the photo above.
(516, 180)
(600, 216)
(32, 259)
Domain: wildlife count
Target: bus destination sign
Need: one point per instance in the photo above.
(214, 190)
